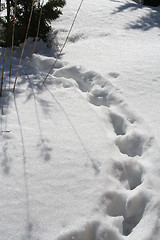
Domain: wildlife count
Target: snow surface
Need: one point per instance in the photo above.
(80, 155)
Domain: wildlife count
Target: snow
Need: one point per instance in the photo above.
(80, 154)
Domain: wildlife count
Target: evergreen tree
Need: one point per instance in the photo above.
(51, 11)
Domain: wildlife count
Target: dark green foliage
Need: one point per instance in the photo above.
(154, 3)
(51, 11)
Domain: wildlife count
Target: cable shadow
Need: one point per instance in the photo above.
(95, 165)
(29, 225)
(147, 21)
(43, 145)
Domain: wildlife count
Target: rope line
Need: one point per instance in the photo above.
(23, 45)
(15, 7)
(64, 44)
(36, 39)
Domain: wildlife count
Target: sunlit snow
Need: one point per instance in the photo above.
(79, 154)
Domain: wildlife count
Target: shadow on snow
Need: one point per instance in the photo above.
(150, 18)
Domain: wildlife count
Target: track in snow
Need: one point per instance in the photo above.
(131, 142)
(122, 206)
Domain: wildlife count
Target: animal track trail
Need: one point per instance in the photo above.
(135, 207)
(117, 204)
(84, 80)
(101, 92)
(118, 123)
(131, 144)
(134, 143)
(103, 96)
(99, 97)
(114, 74)
(93, 230)
(113, 203)
(130, 202)
(129, 173)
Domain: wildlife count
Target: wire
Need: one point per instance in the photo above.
(64, 44)
(36, 39)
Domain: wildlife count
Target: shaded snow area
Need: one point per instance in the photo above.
(79, 154)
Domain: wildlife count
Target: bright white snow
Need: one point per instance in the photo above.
(80, 159)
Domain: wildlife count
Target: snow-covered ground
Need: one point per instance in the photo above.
(80, 155)
(121, 41)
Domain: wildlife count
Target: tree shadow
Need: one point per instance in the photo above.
(131, 6)
(5, 158)
(35, 89)
(43, 145)
(150, 19)
(147, 21)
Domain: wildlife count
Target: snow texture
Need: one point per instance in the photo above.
(80, 154)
